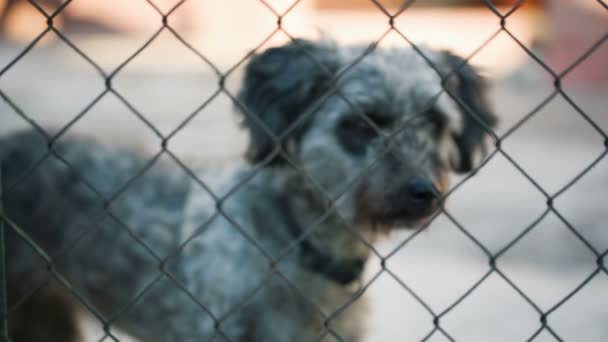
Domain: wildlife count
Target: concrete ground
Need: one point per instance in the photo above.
(52, 85)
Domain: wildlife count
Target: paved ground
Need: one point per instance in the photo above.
(51, 85)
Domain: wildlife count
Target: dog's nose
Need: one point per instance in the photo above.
(422, 191)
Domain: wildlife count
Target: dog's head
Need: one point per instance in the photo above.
(379, 136)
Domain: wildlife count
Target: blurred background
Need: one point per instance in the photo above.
(163, 76)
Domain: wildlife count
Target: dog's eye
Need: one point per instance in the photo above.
(355, 133)
(436, 120)
(359, 122)
(437, 126)
(382, 121)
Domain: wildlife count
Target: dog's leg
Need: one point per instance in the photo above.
(47, 315)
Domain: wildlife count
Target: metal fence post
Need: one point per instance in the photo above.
(3, 322)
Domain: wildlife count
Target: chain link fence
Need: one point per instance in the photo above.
(381, 259)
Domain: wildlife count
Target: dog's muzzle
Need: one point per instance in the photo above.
(405, 204)
(421, 197)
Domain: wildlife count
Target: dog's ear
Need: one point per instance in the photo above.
(279, 85)
(469, 90)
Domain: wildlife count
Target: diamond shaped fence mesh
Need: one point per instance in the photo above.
(522, 281)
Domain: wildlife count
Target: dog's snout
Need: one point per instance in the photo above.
(421, 191)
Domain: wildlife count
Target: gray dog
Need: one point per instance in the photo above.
(341, 154)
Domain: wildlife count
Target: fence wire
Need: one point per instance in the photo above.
(164, 149)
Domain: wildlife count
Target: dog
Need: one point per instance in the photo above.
(347, 143)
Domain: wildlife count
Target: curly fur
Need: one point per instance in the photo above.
(340, 154)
